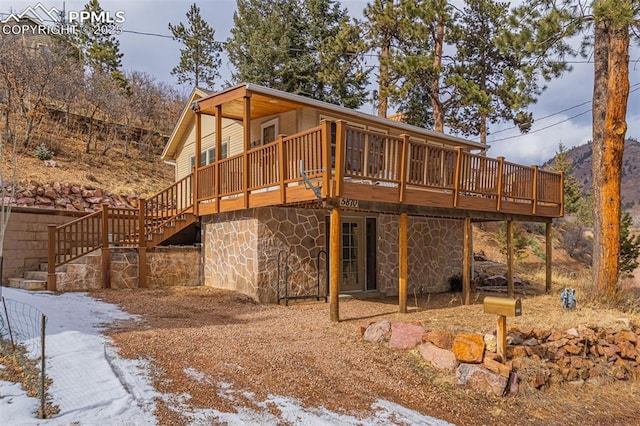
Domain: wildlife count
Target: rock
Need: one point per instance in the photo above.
(25, 201)
(378, 332)
(624, 321)
(514, 338)
(87, 193)
(98, 193)
(50, 193)
(541, 333)
(531, 342)
(490, 343)
(93, 200)
(479, 378)
(439, 358)
(572, 332)
(71, 208)
(611, 350)
(624, 336)
(405, 336)
(43, 201)
(442, 339)
(628, 350)
(75, 190)
(50, 163)
(469, 348)
(518, 351)
(495, 280)
(573, 349)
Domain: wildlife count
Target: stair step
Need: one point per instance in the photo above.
(36, 275)
(25, 284)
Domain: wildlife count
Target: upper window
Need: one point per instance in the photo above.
(269, 130)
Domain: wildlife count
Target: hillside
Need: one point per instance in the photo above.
(129, 167)
(581, 158)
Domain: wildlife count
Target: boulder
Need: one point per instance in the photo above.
(442, 339)
(490, 343)
(378, 332)
(405, 336)
(481, 379)
(439, 358)
(469, 348)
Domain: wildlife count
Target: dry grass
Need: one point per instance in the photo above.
(116, 172)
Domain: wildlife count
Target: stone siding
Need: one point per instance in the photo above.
(25, 240)
(241, 250)
(435, 253)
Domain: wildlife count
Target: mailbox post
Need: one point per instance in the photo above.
(502, 307)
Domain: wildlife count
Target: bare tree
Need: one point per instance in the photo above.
(7, 193)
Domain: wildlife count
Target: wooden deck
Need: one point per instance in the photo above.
(363, 166)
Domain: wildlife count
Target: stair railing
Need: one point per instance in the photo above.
(164, 207)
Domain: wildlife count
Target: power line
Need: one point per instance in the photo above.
(555, 124)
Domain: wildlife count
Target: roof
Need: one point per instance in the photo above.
(184, 123)
(266, 101)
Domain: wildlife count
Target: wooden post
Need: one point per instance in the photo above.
(197, 161)
(466, 262)
(403, 261)
(142, 244)
(51, 258)
(106, 252)
(334, 265)
(326, 157)
(340, 143)
(500, 182)
(534, 191)
(548, 259)
(561, 194)
(247, 143)
(510, 258)
(281, 169)
(501, 337)
(458, 174)
(403, 167)
(216, 171)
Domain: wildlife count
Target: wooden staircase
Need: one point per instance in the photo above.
(155, 220)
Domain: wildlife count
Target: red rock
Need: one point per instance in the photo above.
(468, 348)
(405, 336)
(93, 200)
(442, 339)
(75, 189)
(51, 194)
(573, 349)
(624, 336)
(71, 208)
(628, 350)
(439, 358)
(42, 200)
(611, 350)
(541, 333)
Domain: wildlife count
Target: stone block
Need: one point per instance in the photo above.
(468, 348)
(439, 358)
(481, 379)
(378, 332)
(405, 335)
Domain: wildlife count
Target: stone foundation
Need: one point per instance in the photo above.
(241, 250)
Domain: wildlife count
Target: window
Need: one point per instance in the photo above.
(269, 130)
(211, 152)
(203, 160)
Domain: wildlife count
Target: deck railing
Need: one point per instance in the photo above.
(398, 168)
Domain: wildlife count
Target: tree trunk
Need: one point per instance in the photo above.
(436, 105)
(608, 145)
(383, 81)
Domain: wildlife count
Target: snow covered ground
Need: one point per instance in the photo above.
(92, 385)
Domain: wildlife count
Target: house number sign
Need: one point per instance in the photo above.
(348, 202)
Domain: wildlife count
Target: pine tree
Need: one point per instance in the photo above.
(573, 190)
(607, 26)
(298, 47)
(200, 56)
(629, 246)
(101, 51)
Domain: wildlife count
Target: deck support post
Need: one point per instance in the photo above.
(510, 258)
(403, 261)
(196, 162)
(334, 265)
(216, 172)
(246, 122)
(466, 262)
(142, 244)
(548, 259)
(106, 252)
(51, 258)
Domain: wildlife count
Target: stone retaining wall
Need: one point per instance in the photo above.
(168, 266)
(25, 240)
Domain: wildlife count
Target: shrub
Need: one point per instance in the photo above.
(43, 152)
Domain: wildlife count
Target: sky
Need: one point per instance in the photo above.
(92, 385)
(555, 108)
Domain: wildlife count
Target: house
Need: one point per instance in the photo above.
(284, 183)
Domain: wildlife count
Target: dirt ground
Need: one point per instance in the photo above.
(296, 351)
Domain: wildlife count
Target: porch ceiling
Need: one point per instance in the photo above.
(261, 106)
